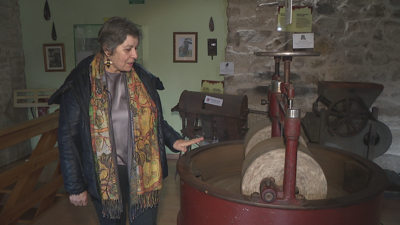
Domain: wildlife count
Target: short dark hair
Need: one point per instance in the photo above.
(114, 32)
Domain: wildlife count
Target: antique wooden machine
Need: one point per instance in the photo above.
(215, 123)
(341, 118)
(281, 179)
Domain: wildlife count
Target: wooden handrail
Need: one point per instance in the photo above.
(23, 131)
(27, 193)
(26, 168)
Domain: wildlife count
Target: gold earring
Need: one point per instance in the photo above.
(108, 63)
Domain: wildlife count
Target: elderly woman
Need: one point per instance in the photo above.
(112, 133)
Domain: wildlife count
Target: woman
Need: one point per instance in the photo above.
(112, 134)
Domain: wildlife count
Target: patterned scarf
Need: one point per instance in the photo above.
(145, 173)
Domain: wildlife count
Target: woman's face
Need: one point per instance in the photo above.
(124, 56)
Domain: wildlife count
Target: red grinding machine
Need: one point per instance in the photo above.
(278, 178)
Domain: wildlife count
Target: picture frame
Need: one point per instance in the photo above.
(185, 47)
(85, 41)
(54, 57)
(136, 1)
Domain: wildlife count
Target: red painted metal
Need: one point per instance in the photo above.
(287, 60)
(202, 203)
(278, 106)
(268, 190)
(274, 114)
(287, 194)
(292, 133)
(199, 208)
(276, 75)
(290, 92)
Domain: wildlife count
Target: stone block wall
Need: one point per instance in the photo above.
(359, 41)
(12, 77)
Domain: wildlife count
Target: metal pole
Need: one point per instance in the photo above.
(292, 133)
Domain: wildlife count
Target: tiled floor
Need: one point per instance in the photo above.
(66, 214)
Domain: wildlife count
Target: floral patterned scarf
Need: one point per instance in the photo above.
(145, 173)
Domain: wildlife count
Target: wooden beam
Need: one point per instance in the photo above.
(23, 131)
(26, 185)
(28, 167)
(46, 143)
(47, 202)
(10, 214)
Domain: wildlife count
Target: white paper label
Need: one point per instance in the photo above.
(213, 101)
(304, 40)
(226, 68)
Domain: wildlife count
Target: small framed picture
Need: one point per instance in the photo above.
(54, 57)
(136, 1)
(185, 47)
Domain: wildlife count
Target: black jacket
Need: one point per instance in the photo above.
(74, 142)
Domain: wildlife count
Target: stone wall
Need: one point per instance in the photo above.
(12, 76)
(359, 41)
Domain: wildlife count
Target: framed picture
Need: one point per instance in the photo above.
(136, 1)
(85, 41)
(185, 47)
(54, 57)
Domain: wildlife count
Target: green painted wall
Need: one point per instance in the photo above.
(158, 18)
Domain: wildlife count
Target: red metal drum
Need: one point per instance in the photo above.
(210, 178)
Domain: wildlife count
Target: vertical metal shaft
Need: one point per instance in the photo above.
(274, 109)
(287, 60)
(292, 133)
(277, 61)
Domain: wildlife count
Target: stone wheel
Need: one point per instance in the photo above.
(347, 117)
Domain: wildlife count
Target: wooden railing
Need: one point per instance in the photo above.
(24, 194)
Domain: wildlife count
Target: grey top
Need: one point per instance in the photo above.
(116, 84)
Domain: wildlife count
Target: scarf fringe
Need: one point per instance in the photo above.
(112, 209)
(146, 201)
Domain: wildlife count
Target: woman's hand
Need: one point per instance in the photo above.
(181, 144)
(79, 200)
